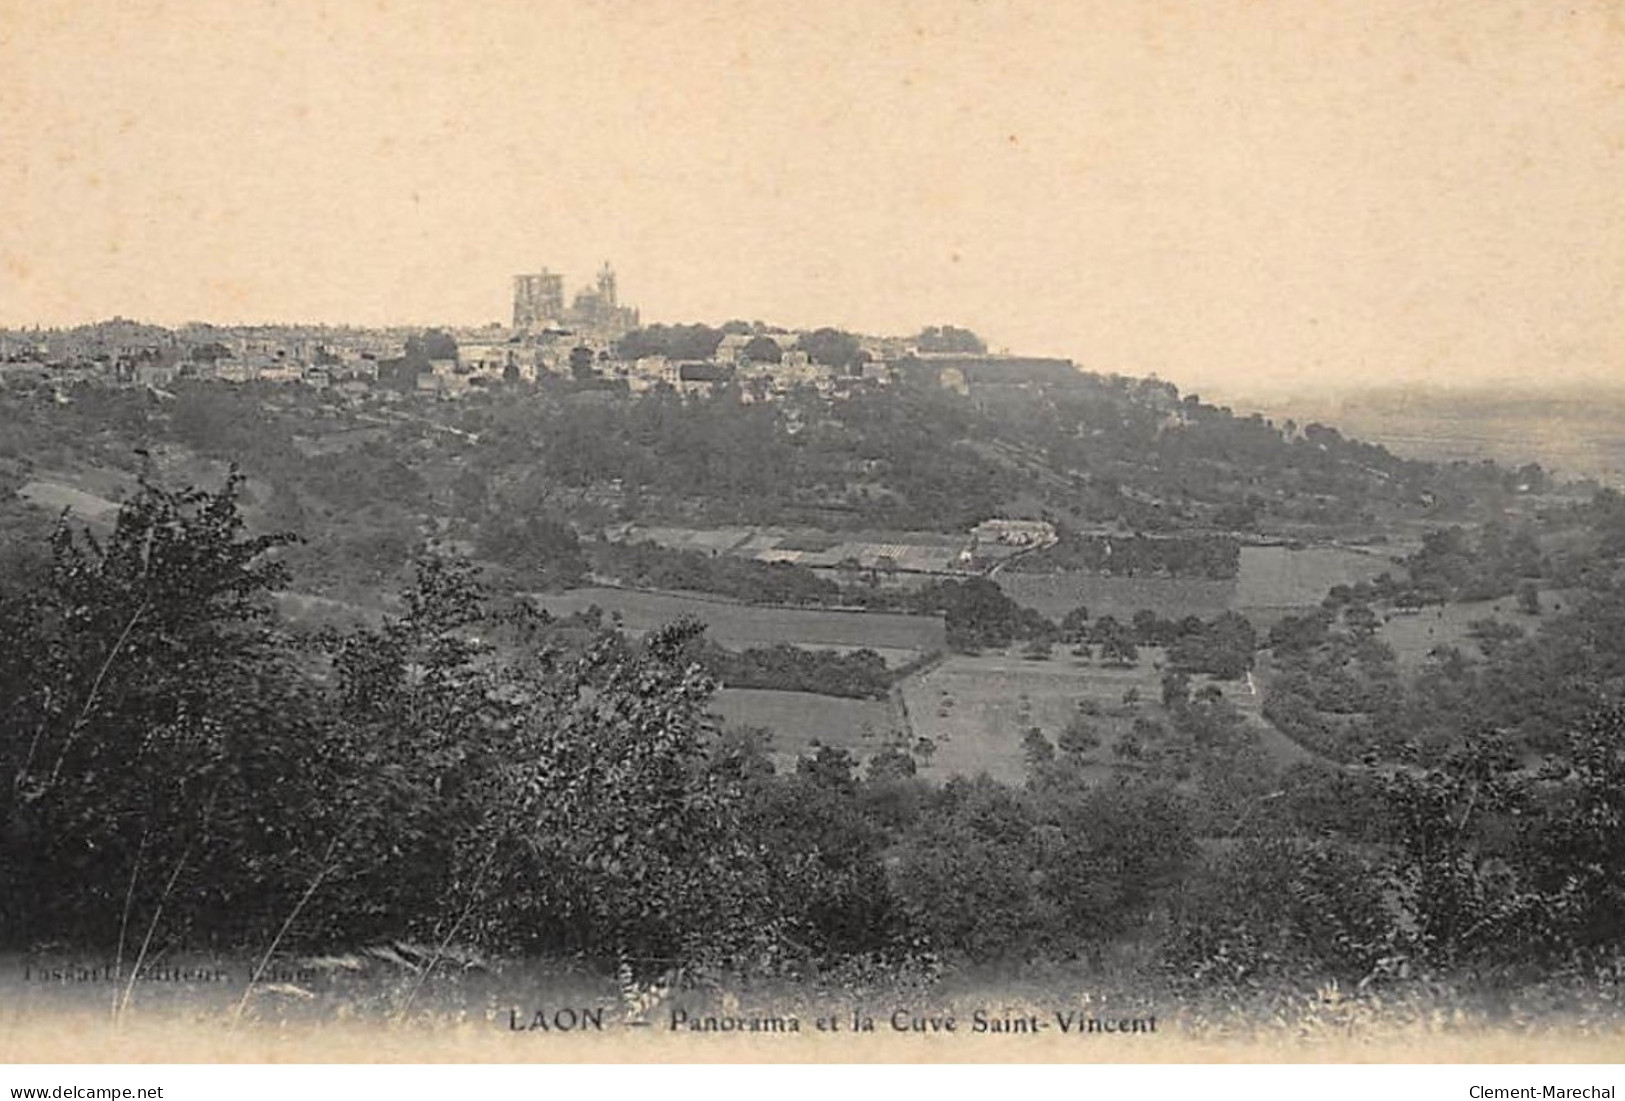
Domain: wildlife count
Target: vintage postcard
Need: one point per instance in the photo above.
(923, 531)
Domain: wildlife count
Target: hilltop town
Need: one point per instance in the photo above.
(592, 337)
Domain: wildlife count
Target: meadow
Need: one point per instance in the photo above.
(800, 719)
(1414, 636)
(976, 708)
(1274, 577)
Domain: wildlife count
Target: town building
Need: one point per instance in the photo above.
(595, 311)
(538, 300)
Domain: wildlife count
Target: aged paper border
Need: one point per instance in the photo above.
(87, 1039)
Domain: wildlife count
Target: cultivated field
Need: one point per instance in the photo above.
(1270, 579)
(1055, 594)
(798, 719)
(1288, 577)
(742, 625)
(927, 552)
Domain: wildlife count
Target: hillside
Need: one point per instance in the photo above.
(364, 479)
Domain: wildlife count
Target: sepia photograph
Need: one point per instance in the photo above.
(922, 531)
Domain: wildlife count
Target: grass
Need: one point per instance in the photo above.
(54, 496)
(1415, 636)
(91, 491)
(1286, 577)
(976, 708)
(798, 719)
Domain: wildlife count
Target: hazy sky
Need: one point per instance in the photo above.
(1225, 193)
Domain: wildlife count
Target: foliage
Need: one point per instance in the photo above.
(648, 566)
(761, 349)
(1500, 864)
(830, 347)
(978, 615)
(1277, 909)
(1223, 648)
(179, 764)
(859, 674)
(623, 843)
(1454, 564)
(1203, 556)
(431, 344)
(152, 717)
(1079, 736)
(696, 342)
(947, 338)
(543, 551)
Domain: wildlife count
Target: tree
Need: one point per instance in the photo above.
(429, 345)
(155, 743)
(422, 714)
(964, 875)
(547, 552)
(1116, 646)
(1176, 689)
(581, 362)
(1361, 621)
(1105, 854)
(1459, 907)
(696, 342)
(1528, 598)
(762, 349)
(1149, 629)
(1078, 736)
(1075, 626)
(1577, 857)
(1037, 749)
(620, 842)
(1280, 910)
(924, 749)
(947, 338)
(828, 883)
(1038, 649)
(891, 762)
(830, 347)
(978, 614)
(830, 767)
